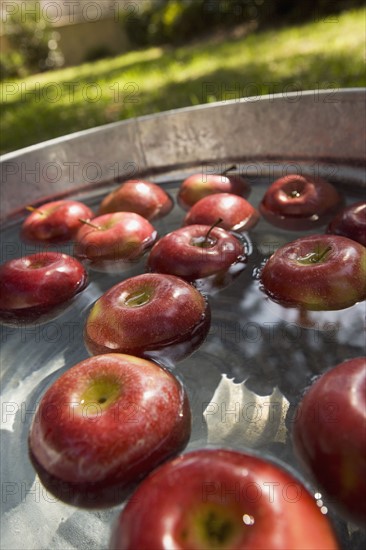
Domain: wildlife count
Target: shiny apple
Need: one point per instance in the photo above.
(319, 272)
(196, 252)
(150, 315)
(223, 499)
(112, 239)
(110, 419)
(298, 203)
(350, 222)
(199, 185)
(142, 197)
(34, 286)
(55, 222)
(235, 212)
(330, 437)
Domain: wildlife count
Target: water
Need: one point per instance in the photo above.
(243, 383)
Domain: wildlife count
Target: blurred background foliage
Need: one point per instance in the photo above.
(181, 58)
(34, 44)
(175, 22)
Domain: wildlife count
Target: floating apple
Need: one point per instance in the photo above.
(196, 252)
(236, 213)
(142, 197)
(222, 499)
(113, 239)
(350, 222)
(200, 185)
(33, 286)
(110, 419)
(330, 436)
(54, 222)
(296, 202)
(319, 272)
(150, 315)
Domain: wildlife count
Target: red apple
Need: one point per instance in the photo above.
(35, 285)
(222, 499)
(110, 420)
(236, 213)
(350, 222)
(112, 239)
(55, 222)
(151, 315)
(195, 252)
(142, 197)
(330, 436)
(200, 185)
(319, 272)
(296, 202)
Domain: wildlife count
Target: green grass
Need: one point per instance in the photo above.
(319, 55)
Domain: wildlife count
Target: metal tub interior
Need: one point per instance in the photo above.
(251, 349)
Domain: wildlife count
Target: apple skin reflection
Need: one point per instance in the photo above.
(219, 281)
(179, 349)
(37, 315)
(83, 495)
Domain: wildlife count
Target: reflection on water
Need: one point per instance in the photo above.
(243, 383)
(243, 418)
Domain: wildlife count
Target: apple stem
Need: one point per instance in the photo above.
(324, 253)
(315, 257)
(232, 167)
(33, 209)
(87, 222)
(207, 236)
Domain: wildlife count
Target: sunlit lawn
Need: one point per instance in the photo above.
(323, 54)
